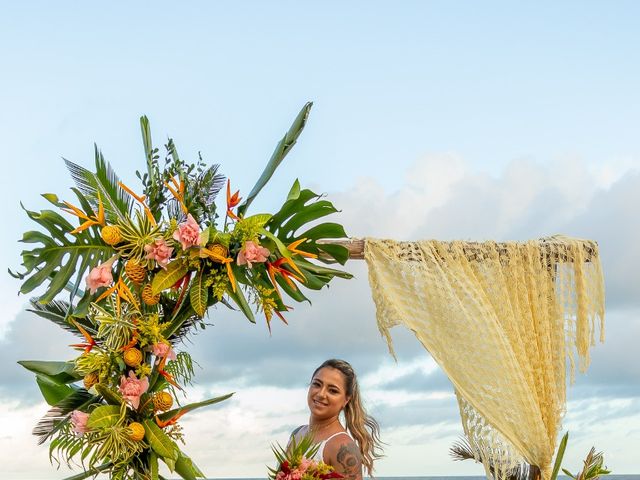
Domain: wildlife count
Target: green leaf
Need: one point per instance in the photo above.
(193, 406)
(307, 214)
(111, 397)
(91, 472)
(198, 295)
(187, 469)
(559, 457)
(165, 279)
(60, 255)
(324, 230)
(52, 392)
(240, 300)
(282, 149)
(104, 184)
(153, 465)
(105, 416)
(339, 253)
(58, 372)
(219, 237)
(289, 208)
(294, 192)
(160, 442)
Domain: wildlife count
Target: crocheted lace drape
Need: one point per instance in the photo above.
(501, 319)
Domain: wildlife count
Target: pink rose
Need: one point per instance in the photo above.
(163, 350)
(159, 251)
(252, 253)
(132, 388)
(100, 276)
(188, 233)
(79, 421)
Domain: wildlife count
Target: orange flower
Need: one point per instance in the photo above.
(276, 268)
(293, 248)
(90, 342)
(90, 221)
(232, 201)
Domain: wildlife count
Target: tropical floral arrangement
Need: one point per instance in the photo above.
(141, 269)
(296, 462)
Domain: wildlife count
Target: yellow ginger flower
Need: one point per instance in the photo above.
(111, 234)
(135, 271)
(132, 357)
(148, 297)
(90, 379)
(135, 431)
(162, 401)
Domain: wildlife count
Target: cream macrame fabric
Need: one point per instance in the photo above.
(501, 319)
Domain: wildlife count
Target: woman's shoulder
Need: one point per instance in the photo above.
(298, 430)
(343, 453)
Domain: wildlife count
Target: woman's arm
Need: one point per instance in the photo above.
(343, 454)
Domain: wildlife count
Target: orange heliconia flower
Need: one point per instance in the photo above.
(232, 201)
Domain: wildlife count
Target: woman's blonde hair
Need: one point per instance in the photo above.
(364, 429)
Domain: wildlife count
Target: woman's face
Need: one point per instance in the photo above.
(327, 394)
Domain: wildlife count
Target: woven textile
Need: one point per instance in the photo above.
(501, 319)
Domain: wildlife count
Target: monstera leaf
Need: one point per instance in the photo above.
(301, 208)
(60, 254)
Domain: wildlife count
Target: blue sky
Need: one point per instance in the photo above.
(476, 120)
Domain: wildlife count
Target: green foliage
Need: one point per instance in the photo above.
(60, 255)
(593, 467)
(198, 294)
(103, 185)
(283, 147)
(114, 329)
(293, 453)
(559, 456)
(181, 368)
(167, 278)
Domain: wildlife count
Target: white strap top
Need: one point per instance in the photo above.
(319, 456)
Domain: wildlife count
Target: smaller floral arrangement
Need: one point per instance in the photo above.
(296, 462)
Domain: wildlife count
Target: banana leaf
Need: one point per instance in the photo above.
(53, 392)
(282, 149)
(58, 372)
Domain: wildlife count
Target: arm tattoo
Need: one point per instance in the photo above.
(348, 458)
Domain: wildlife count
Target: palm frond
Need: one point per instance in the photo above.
(58, 312)
(103, 184)
(57, 415)
(462, 450)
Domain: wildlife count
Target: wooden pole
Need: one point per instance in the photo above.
(356, 248)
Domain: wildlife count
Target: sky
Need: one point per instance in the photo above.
(449, 120)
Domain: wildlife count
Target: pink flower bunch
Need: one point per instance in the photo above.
(159, 251)
(307, 468)
(163, 350)
(132, 388)
(79, 422)
(188, 233)
(100, 276)
(252, 253)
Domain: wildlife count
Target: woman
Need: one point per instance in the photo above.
(334, 389)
